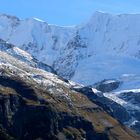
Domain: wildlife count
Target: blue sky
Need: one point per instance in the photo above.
(66, 12)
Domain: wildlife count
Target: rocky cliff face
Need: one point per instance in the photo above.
(29, 112)
(36, 104)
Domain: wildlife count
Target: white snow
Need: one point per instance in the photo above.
(115, 98)
(38, 19)
(111, 45)
(22, 53)
(132, 90)
(95, 90)
(128, 105)
(105, 66)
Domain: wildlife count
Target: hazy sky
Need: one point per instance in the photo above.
(66, 12)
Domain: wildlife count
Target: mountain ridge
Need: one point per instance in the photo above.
(106, 47)
(37, 104)
(103, 35)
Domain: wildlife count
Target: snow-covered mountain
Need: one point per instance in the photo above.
(107, 46)
(8, 50)
(37, 37)
(36, 104)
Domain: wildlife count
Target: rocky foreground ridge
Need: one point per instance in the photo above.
(38, 105)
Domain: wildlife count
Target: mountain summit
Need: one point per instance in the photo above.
(107, 46)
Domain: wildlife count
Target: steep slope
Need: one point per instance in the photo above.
(43, 41)
(106, 47)
(127, 95)
(122, 104)
(36, 104)
(113, 47)
(22, 55)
